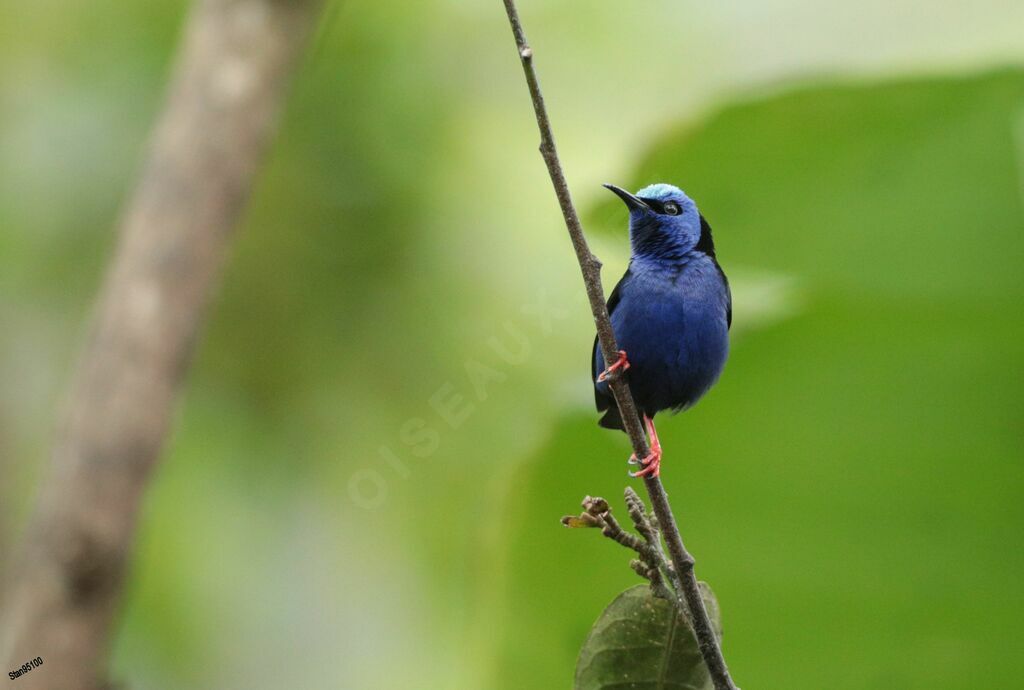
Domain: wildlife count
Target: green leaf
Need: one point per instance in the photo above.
(641, 642)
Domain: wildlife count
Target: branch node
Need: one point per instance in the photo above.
(597, 513)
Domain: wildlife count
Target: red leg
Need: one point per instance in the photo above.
(621, 363)
(652, 463)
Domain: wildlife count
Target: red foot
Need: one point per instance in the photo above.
(621, 363)
(651, 463)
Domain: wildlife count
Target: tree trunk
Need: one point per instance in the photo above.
(230, 82)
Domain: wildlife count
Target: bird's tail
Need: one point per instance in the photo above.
(612, 419)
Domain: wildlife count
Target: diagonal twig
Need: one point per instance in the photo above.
(590, 266)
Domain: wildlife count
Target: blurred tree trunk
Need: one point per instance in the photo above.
(235, 63)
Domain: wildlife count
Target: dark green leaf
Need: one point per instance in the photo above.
(641, 642)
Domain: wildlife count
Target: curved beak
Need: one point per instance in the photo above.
(633, 202)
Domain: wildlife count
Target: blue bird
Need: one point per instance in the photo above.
(671, 313)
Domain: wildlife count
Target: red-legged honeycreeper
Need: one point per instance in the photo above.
(671, 313)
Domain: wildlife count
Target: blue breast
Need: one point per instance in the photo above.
(672, 321)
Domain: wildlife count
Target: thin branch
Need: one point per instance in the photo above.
(682, 561)
(230, 83)
(651, 565)
(648, 527)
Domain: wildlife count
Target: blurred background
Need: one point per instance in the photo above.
(390, 409)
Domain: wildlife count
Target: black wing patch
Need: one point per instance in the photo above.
(706, 244)
(728, 297)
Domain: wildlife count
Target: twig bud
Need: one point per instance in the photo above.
(595, 505)
(582, 520)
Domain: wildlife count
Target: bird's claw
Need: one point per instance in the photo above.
(651, 464)
(620, 364)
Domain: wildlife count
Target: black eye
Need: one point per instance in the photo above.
(672, 209)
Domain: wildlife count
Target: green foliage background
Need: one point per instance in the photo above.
(851, 489)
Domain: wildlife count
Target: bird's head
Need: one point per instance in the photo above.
(664, 222)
